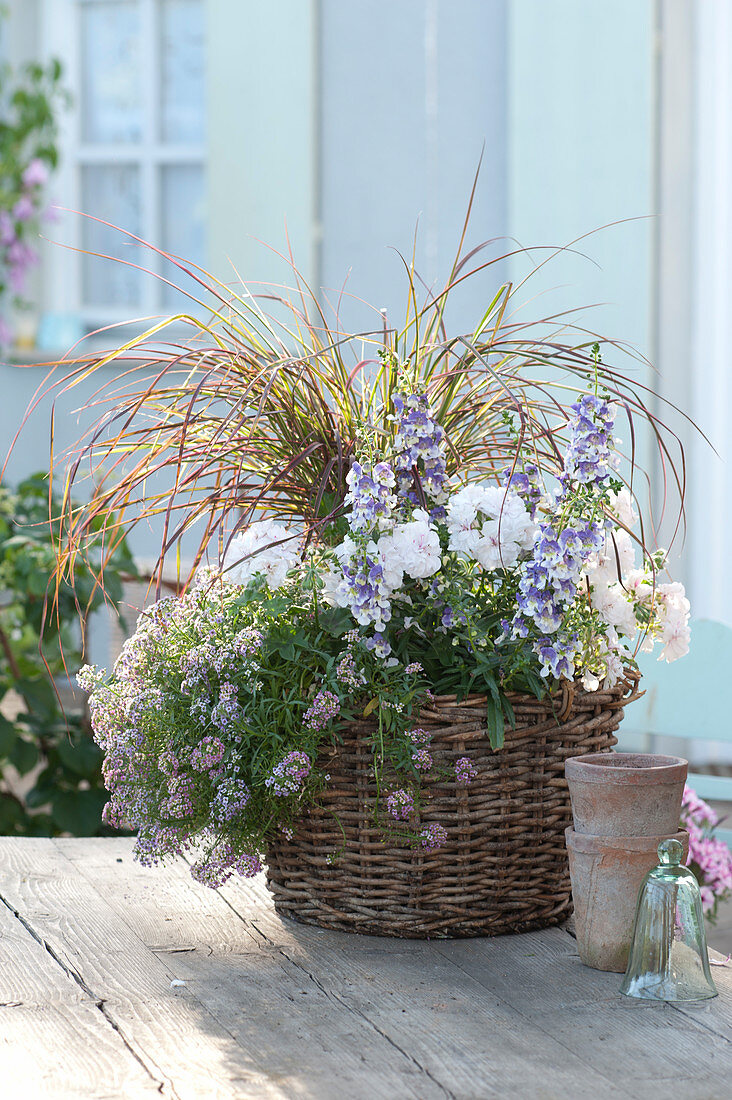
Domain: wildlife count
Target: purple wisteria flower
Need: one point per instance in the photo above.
(419, 445)
(287, 777)
(433, 837)
(324, 707)
(400, 804)
(465, 770)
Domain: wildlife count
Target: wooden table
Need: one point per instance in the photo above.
(121, 982)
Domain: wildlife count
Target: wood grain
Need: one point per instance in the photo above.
(90, 943)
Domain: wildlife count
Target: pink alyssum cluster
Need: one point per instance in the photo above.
(288, 775)
(465, 770)
(433, 837)
(324, 707)
(400, 804)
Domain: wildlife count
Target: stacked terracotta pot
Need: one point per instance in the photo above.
(624, 805)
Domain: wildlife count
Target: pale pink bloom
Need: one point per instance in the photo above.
(36, 174)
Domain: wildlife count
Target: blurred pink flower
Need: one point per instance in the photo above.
(24, 209)
(36, 174)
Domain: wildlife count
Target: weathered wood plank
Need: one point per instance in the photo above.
(275, 1009)
(54, 1038)
(249, 992)
(414, 1010)
(462, 1032)
(587, 1014)
(174, 1037)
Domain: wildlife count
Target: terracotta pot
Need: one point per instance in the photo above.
(606, 874)
(626, 793)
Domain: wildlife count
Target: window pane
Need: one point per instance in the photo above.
(182, 70)
(111, 192)
(183, 216)
(111, 94)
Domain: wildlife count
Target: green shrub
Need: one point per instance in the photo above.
(42, 639)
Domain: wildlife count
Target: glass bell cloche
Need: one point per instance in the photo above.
(668, 956)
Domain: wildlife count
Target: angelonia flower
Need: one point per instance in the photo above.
(590, 456)
(419, 447)
(400, 804)
(287, 777)
(548, 586)
(364, 590)
(369, 494)
(465, 770)
(433, 837)
(527, 483)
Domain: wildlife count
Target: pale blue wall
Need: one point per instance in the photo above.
(410, 93)
(581, 136)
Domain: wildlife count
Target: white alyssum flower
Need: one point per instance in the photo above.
(254, 551)
(489, 524)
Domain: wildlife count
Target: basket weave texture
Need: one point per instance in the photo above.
(504, 865)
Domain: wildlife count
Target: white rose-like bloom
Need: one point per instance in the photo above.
(674, 610)
(615, 609)
(602, 568)
(414, 547)
(390, 559)
(489, 524)
(251, 552)
(622, 506)
(331, 581)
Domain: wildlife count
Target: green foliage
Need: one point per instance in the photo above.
(41, 639)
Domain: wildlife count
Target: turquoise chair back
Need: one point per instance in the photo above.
(688, 699)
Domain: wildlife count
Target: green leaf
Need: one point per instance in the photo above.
(7, 736)
(495, 723)
(11, 814)
(24, 755)
(80, 755)
(78, 812)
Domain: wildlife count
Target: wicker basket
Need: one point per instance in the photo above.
(504, 866)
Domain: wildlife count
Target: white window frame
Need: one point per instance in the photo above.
(61, 25)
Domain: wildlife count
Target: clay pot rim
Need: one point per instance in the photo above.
(627, 768)
(590, 844)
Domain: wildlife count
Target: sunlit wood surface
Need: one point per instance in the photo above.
(121, 982)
